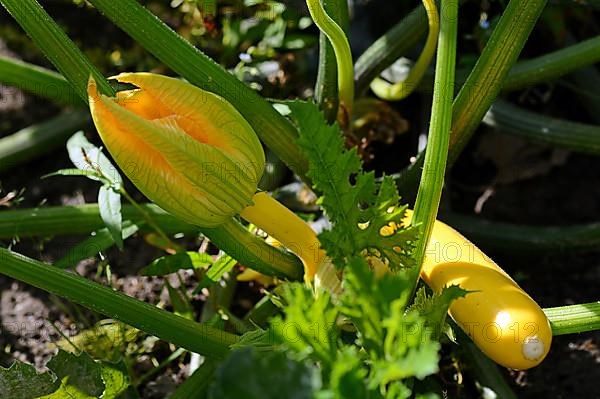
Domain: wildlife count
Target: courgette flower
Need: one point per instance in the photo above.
(186, 149)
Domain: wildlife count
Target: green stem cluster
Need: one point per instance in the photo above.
(432, 178)
(341, 47)
(188, 334)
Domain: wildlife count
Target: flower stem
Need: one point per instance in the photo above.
(343, 56)
(400, 90)
(286, 227)
(432, 177)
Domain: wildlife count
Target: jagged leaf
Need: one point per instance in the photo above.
(356, 204)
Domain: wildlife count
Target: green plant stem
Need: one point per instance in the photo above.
(531, 239)
(37, 80)
(557, 63)
(400, 90)
(486, 371)
(183, 58)
(165, 325)
(56, 46)
(483, 83)
(432, 178)
(39, 139)
(389, 47)
(540, 69)
(232, 237)
(341, 47)
(326, 89)
(197, 384)
(487, 77)
(529, 125)
(574, 318)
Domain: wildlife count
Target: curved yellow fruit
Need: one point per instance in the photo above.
(502, 320)
(285, 226)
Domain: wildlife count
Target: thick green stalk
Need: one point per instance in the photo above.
(574, 318)
(183, 58)
(196, 385)
(432, 178)
(232, 237)
(36, 140)
(487, 77)
(56, 46)
(486, 372)
(341, 47)
(326, 90)
(182, 332)
(544, 129)
(483, 83)
(512, 237)
(402, 89)
(540, 69)
(37, 80)
(389, 47)
(554, 64)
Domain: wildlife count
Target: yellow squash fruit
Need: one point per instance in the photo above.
(502, 320)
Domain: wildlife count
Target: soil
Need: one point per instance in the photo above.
(557, 194)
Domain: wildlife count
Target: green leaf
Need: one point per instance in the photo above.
(249, 374)
(367, 300)
(357, 206)
(349, 374)
(78, 373)
(181, 305)
(224, 264)
(397, 342)
(116, 379)
(100, 240)
(109, 203)
(22, 381)
(179, 261)
(308, 326)
(86, 156)
(435, 307)
(259, 339)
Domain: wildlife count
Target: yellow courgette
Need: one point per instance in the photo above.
(502, 320)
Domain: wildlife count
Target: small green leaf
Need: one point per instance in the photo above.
(116, 379)
(435, 307)
(79, 374)
(86, 156)
(22, 381)
(180, 303)
(179, 261)
(109, 203)
(224, 264)
(249, 374)
(99, 241)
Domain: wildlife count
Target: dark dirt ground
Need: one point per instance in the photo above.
(561, 194)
